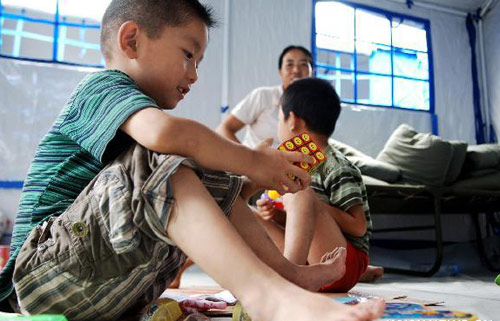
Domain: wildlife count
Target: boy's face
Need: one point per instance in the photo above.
(166, 67)
(295, 66)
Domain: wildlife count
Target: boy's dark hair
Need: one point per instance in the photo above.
(315, 101)
(306, 52)
(152, 16)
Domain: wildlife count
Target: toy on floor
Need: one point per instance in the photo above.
(163, 310)
(304, 144)
(414, 311)
(497, 280)
(239, 313)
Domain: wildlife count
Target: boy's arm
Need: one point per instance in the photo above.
(249, 189)
(266, 211)
(167, 134)
(352, 221)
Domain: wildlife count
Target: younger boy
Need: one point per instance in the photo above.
(120, 192)
(333, 211)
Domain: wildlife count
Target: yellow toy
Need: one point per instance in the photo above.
(274, 197)
(304, 144)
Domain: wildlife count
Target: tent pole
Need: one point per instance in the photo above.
(486, 104)
(486, 5)
(225, 61)
(434, 7)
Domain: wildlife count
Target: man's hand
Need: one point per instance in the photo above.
(271, 168)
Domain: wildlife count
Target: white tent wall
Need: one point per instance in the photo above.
(32, 96)
(491, 27)
(254, 53)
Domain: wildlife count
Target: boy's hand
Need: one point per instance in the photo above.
(270, 169)
(265, 209)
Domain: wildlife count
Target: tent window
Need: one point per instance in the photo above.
(59, 31)
(373, 57)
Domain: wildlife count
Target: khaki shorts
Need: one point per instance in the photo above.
(109, 254)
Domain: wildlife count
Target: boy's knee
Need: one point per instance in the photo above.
(304, 196)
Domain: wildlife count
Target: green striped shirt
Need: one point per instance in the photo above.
(83, 139)
(338, 182)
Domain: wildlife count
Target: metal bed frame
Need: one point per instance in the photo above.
(424, 200)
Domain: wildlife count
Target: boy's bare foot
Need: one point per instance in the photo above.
(372, 274)
(330, 269)
(299, 305)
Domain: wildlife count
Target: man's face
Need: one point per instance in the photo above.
(295, 66)
(166, 67)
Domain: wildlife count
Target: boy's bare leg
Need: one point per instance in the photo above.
(200, 229)
(300, 225)
(273, 229)
(176, 283)
(324, 236)
(310, 277)
(327, 234)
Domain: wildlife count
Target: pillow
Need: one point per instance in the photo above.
(368, 180)
(482, 157)
(457, 160)
(376, 169)
(421, 158)
(345, 149)
(366, 164)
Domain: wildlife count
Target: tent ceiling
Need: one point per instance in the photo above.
(462, 5)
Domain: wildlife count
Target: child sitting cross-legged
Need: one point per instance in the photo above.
(333, 212)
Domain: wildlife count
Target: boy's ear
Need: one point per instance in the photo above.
(295, 122)
(127, 39)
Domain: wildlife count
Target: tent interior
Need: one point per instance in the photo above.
(433, 65)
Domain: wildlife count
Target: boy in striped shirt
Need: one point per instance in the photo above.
(333, 212)
(119, 192)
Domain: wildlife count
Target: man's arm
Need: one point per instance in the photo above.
(229, 127)
(167, 134)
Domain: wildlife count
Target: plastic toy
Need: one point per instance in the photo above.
(497, 280)
(304, 144)
(414, 311)
(163, 310)
(274, 197)
(239, 313)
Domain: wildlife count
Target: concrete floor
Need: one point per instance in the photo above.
(473, 290)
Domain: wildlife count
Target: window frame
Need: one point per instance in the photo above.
(390, 15)
(57, 22)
